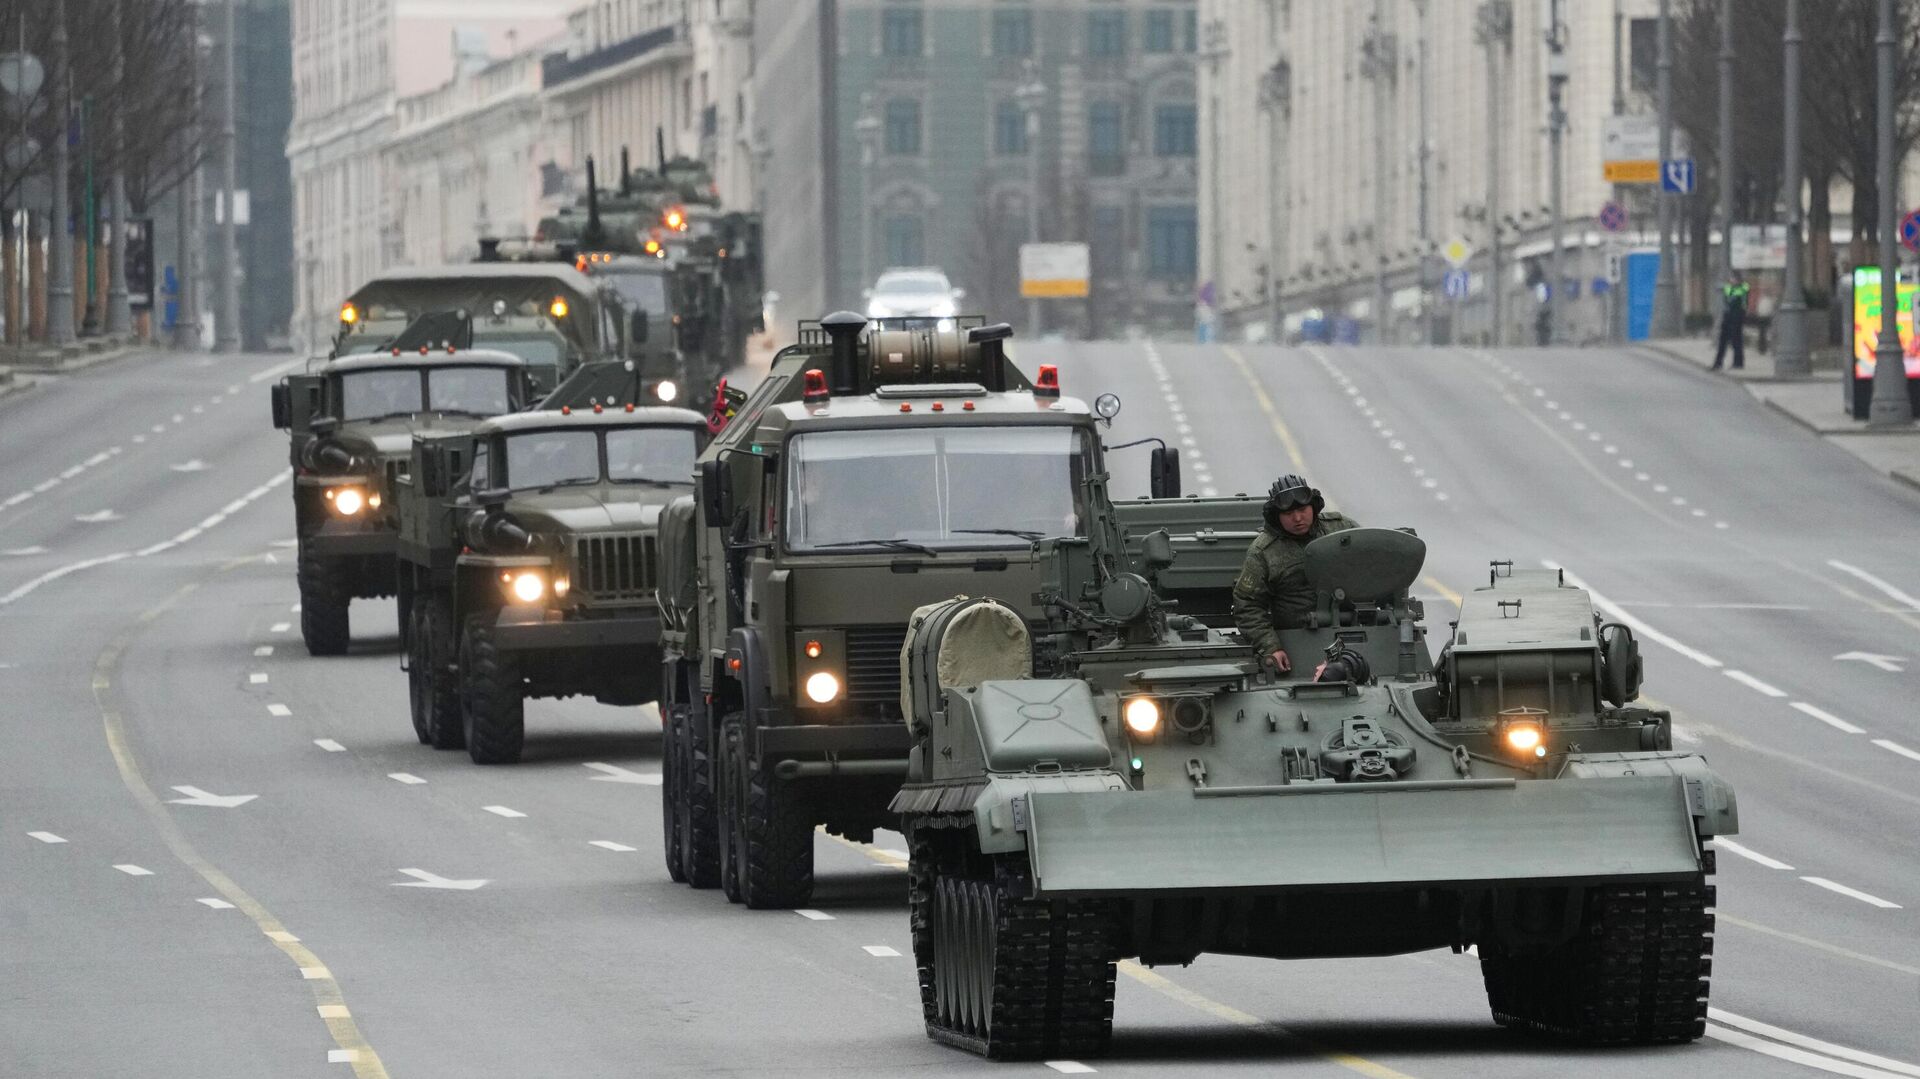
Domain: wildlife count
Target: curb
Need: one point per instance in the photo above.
(89, 358)
(1901, 475)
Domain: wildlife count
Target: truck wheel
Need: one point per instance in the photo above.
(403, 607)
(324, 594)
(1635, 973)
(419, 677)
(492, 704)
(673, 812)
(440, 685)
(1013, 978)
(767, 843)
(701, 807)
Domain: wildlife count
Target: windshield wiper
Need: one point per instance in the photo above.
(891, 544)
(405, 414)
(649, 481)
(467, 412)
(577, 481)
(1024, 533)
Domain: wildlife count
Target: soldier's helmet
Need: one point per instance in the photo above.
(1291, 492)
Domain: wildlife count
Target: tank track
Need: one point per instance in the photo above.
(1052, 962)
(1636, 973)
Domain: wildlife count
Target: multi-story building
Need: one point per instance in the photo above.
(1314, 111)
(912, 132)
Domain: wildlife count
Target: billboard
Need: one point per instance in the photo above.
(1053, 270)
(1866, 322)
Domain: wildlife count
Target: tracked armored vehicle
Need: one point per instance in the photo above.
(351, 424)
(1154, 791)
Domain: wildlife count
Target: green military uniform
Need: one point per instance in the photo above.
(1272, 592)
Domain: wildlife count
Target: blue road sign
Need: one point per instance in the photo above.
(1456, 284)
(1910, 231)
(1613, 217)
(1676, 176)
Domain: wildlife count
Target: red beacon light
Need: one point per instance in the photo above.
(1048, 384)
(597, 409)
(815, 386)
(566, 410)
(629, 406)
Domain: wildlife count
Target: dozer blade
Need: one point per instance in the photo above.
(1351, 835)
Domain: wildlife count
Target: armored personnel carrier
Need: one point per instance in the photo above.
(351, 423)
(878, 467)
(530, 546)
(1148, 788)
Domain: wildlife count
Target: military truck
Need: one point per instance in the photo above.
(351, 423)
(1149, 788)
(549, 314)
(876, 468)
(645, 290)
(530, 546)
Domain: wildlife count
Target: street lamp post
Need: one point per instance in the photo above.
(119, 313)
(1791, 360)
(1032, 97)
(1726, 139)
(1424, 261)
(1377, 64)
(866, 130)
(1666, 288)
(60, 242)
(1890, 407)
(1493, 29)
(1556, 140)
(227, 327)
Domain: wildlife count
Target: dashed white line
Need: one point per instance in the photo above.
(503, 811)
(329, 745)
(280, 627)
(1851, 893)
(1731, 847)
(1619, 614)
(880, 951)
(1895, 747)
(608, 844)
(279, 710)
(405, 777)
(1828, 718)
(263, 650)
(257, 678)
(814, 915)
(1751, 682)
(46, 837)
(216, 904)
(132, 870)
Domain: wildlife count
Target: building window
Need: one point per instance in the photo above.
(1106, 139)
(1159, 35)
(1109, 243)
(1106, 33)
(1190, 30)
(1172, 242)
(906, 240)
(1009, 128)
(903, 127)
(1173, 130)
(900, 32)
(1013, 32)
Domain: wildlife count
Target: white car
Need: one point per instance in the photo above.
(913, 293)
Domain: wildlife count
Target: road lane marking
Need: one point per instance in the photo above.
(617, 774)
(1619, 614)
(216, 904)
(1793, 1055)
(1070, 1067)
(1895, 594)
(316, 973)
(46, 837)
(257, 678)
(132, 870)
(263, 650)
(280, 627)
(333, 1011)
(329, 745)
(405, 777)
(272, 372)
(1755, 1026)
(1751, 682)
(503, 811)
(814, 915)
(342, 1056)
(424, 879)
(1266, 404)
(281, 936)
(1895, 747)
(279, 710)
(1828, 718)
(1851, 893)
(1731, 847)
(608, 844)
(880, 951)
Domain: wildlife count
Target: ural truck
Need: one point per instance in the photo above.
(875, 469)
(351, 423)
(1136, 782)
(530, 547)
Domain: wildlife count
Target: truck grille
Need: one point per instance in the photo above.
(615, 569)
(873, 663)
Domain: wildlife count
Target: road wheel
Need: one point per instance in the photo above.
(732, 853)
(1635, 973)
(324, 595)
(701, 804)
(673, 811)
(772, 838)
(492, 700)
(419, 676)
(446, 729)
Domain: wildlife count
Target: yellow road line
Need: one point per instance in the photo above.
(327, 997)
(1267, 406)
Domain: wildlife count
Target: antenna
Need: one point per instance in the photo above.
(626, 175)
(595, 233)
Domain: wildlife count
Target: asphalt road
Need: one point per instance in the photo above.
(148, 644)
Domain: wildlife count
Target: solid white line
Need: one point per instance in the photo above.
(275, 371)
(1828, 718)
(405, 777)
(814, 915)
(263, 650)
(1851, 893)
(329, 745)
(1796, 1056)
(134, 870)
(54, 575)
(1895, 594)
(608, 844)
(279, 710)
(257, 678)
(879, 951)
(1070, 1067)
(216, 904)
(46, 837)
(1791, 1038)
(163, 545)
(503, 811)
(1895, 747)
(1731, 847)
(1751, 682)
(1619, 614)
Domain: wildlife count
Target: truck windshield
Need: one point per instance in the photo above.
(651, 455)
(940, 488)
(546, 458)
(367, 394)
(480, 391)
(641, 291)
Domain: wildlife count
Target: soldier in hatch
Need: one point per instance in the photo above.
(1272, 593)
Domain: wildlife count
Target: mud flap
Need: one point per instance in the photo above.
(1465, 833)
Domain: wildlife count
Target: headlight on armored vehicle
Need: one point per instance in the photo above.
(1142, 715)
(1523, 731)
(347, 501)
(526, 586)
(822, 687)
(667, 391)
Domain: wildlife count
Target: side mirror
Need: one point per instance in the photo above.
(714, 502)
(1156, 551)
(282, 406)
(639, 329)
(959, 294)
(1620, 668)
(1163, 472)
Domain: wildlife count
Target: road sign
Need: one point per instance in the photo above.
(1053, 270)
(1910, 231)
(1456, 284)
(1677, 176)
(1616, 262)
(1456, 251)
(1630, 150)
(1759, 247)
(1613, 217)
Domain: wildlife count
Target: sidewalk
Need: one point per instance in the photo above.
(1815, 403)
(20, 369)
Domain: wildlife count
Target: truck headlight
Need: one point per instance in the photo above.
(822, 687)
(667, 391)
(347, 501)
(527, 586)
(1142, 715)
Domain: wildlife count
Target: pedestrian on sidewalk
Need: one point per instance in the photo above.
(1733, 321)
